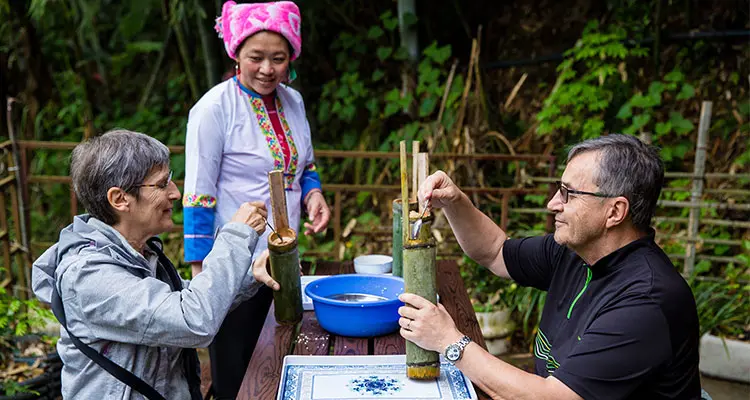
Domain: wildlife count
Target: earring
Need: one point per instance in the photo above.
(237, 69)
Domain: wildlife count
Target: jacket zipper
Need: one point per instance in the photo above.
(585, 285)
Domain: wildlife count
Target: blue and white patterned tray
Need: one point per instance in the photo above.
(366, 377)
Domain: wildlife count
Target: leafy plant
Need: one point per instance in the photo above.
(17, 319)
(489, 292)
(723, 303)
(587, 80)
(640, 113)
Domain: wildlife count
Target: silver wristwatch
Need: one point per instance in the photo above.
(454, 351)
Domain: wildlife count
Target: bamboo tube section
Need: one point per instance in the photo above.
(419, 256)
(284, 256)
(398, 238)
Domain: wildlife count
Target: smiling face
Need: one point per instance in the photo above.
(581, 221)
(151, 213)
(263, 62)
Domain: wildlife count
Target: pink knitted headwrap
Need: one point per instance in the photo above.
(240, 21)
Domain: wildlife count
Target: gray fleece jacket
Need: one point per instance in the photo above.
(117, 303)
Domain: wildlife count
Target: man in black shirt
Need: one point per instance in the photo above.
(619, 321)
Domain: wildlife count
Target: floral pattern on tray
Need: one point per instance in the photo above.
(366, 377)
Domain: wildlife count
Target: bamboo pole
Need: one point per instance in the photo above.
(404, 191)
(397, 243)
(423, 170)
(414, 169)
(420, 278)
(278, 199)
(697, 192)
(716, 222)
(5, 238)
(284, 256)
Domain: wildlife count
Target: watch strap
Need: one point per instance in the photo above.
(460, 345)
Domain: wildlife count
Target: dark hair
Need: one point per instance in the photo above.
(630, 168)
(118, 158)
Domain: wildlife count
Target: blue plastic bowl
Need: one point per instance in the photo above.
(357, 319)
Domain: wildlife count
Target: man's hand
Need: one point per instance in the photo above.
(439, 190)
(425, 324)
(252, 214)
(318, 213)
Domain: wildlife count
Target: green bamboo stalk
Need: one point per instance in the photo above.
(398, 238)
(398, 243)
(284, 257)
(420, 278)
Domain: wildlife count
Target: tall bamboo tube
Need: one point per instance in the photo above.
(419, 277)
(284, 256)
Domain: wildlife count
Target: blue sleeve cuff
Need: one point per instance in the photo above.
(310, 180)
(198, 229)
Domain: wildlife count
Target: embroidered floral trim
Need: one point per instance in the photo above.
(198, 200)
(311, 167)
(264, 121)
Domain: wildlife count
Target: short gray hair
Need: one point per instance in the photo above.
(118, 158)
(630, 168)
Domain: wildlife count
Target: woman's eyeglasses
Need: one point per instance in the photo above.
(565, 192)
(162, 185)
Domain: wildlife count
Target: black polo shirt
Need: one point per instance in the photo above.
(623, 328)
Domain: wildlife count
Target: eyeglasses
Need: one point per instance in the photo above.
(565, 192)
(159, 185)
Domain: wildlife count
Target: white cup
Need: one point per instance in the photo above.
(373, 264)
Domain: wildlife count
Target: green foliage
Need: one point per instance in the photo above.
(18, 318)
(489, 292)
(723, 303)
(640, 114)
(587, 80)
(357, 106)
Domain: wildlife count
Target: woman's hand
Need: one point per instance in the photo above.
(318, 213)
(260, 271)
(252, 214)
(427, 325)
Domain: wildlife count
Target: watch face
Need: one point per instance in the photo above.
(452, 353)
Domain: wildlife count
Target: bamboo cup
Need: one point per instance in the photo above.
(284, 258)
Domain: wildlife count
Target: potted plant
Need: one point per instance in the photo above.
(488, 294)
(724, 313)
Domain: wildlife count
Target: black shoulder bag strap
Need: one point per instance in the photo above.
(108, 365)
(190, 363)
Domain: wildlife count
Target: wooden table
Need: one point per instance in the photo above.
(261, 381)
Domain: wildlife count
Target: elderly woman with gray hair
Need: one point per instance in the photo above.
(121, 302)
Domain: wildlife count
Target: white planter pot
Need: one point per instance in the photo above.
(496, 326)
(731, 362)
(498, 346)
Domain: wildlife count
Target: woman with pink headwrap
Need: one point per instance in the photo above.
(237, 132)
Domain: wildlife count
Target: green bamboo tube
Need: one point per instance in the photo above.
(398, 238)
(420, 278)
(284, 259)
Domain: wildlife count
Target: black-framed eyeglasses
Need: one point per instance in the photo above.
(162, 185)
(565, 192)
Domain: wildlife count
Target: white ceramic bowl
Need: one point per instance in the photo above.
(373, 264)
